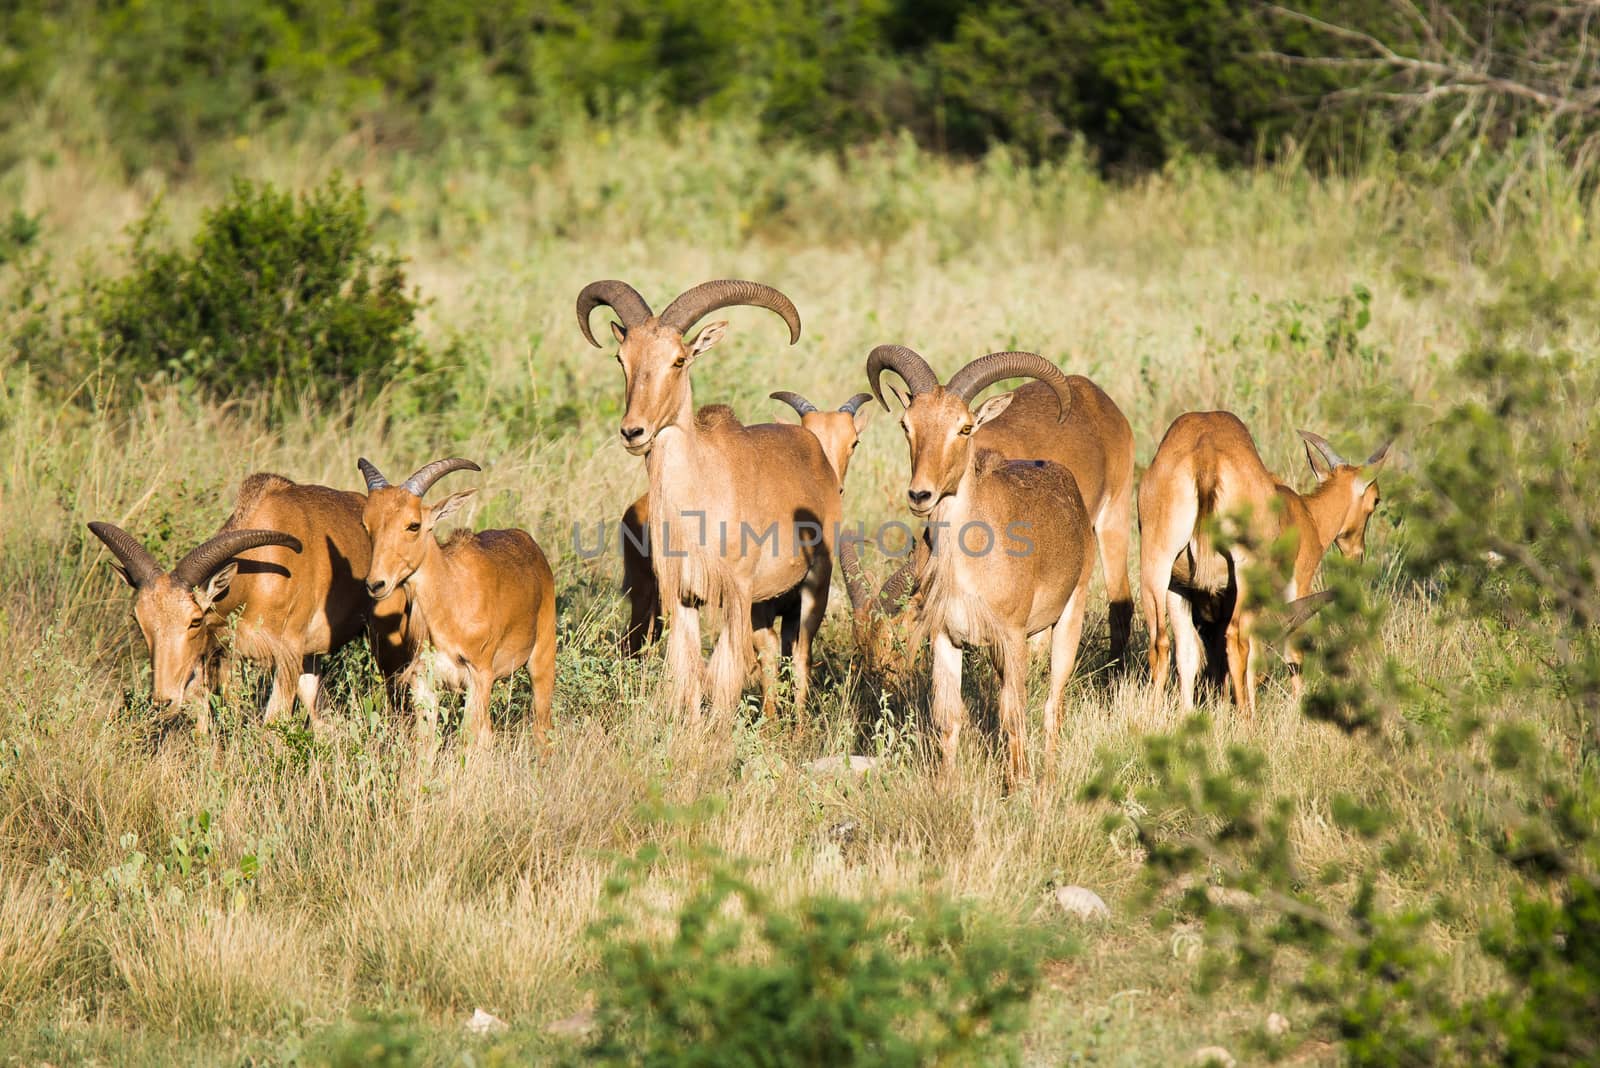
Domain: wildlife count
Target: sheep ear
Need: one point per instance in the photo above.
(445, 508)
(902, 397)
(863, 415)
(618, 332)
(992, 407)
(708, 337)
(216, 587)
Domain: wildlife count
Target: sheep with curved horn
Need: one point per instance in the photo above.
(480, 605)
(1009, 544)
(286, 572)
(1094, 442)
(738, 515)
(775, 625)
(1207, 469)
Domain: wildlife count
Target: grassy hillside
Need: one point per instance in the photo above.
(329, 879)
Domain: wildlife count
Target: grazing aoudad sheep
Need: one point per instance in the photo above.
(1207, 472)
(738, 514)
(479, 606)
(775, 624)
(286, 573)
(1009, 542)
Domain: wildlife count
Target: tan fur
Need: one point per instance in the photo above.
(1207, 471)
(285, 608)
(763, 476)
(1000, 598)
(1096, 445)
(481, 605)
(774, 624)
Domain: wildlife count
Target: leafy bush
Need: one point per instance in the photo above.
(743, 980)
(277, 292)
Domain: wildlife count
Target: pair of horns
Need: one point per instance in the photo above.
(805, 407)
(972, 379)
(1320, 443)
(891, 597)
(690, 307)
(422, 480)
(205, 560)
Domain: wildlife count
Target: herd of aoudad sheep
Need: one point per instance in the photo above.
(1013, 497)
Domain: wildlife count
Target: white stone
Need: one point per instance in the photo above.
(1082, 902)
(484, 1023)
(1277, 1024)
(1214, 1055)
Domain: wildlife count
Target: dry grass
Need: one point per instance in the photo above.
(471, 885)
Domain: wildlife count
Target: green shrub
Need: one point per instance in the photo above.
(743, 980)
(277, 293)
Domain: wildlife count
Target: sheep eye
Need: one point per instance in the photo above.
(679, 362)
(414, 527)
(966, 430)
(194, 624)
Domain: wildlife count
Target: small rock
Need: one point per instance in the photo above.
(484, 1023)
(577, 1025)
(833, 765)
(1083, 903)
(1214, 1055)
(1277, 1024)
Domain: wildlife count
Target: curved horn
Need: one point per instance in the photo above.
(891, 599)
(201, 563)
(1301, 609)
(138, 565)
(907, 363)
(1320, 443)
(707, 297)
(617, 295)
(855, 580)
(853, 405)
(425, 476)
(795, 401)
(374, 477)
(985, 371)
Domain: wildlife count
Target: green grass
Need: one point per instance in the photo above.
(374, 888)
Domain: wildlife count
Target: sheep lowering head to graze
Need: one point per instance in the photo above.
(1207, 470)
(287, 571)
(180, 611)
(1009, 545)
(480, 605)
(738, 514)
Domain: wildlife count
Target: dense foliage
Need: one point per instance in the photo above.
(1139, 83)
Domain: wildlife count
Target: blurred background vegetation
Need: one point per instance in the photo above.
(1138, 83)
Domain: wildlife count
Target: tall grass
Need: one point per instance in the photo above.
(332, 877)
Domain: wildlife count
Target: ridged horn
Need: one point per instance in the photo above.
(207, 557)
(425, 476)
(795, 401)
(855, 580)
(907, 363)
(707, 297)
(1320, 443)
(985, 371)
(1301, 609)
(891, 599)
(374, 477)
(853, 405)
(617, 295)
(137, 563)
